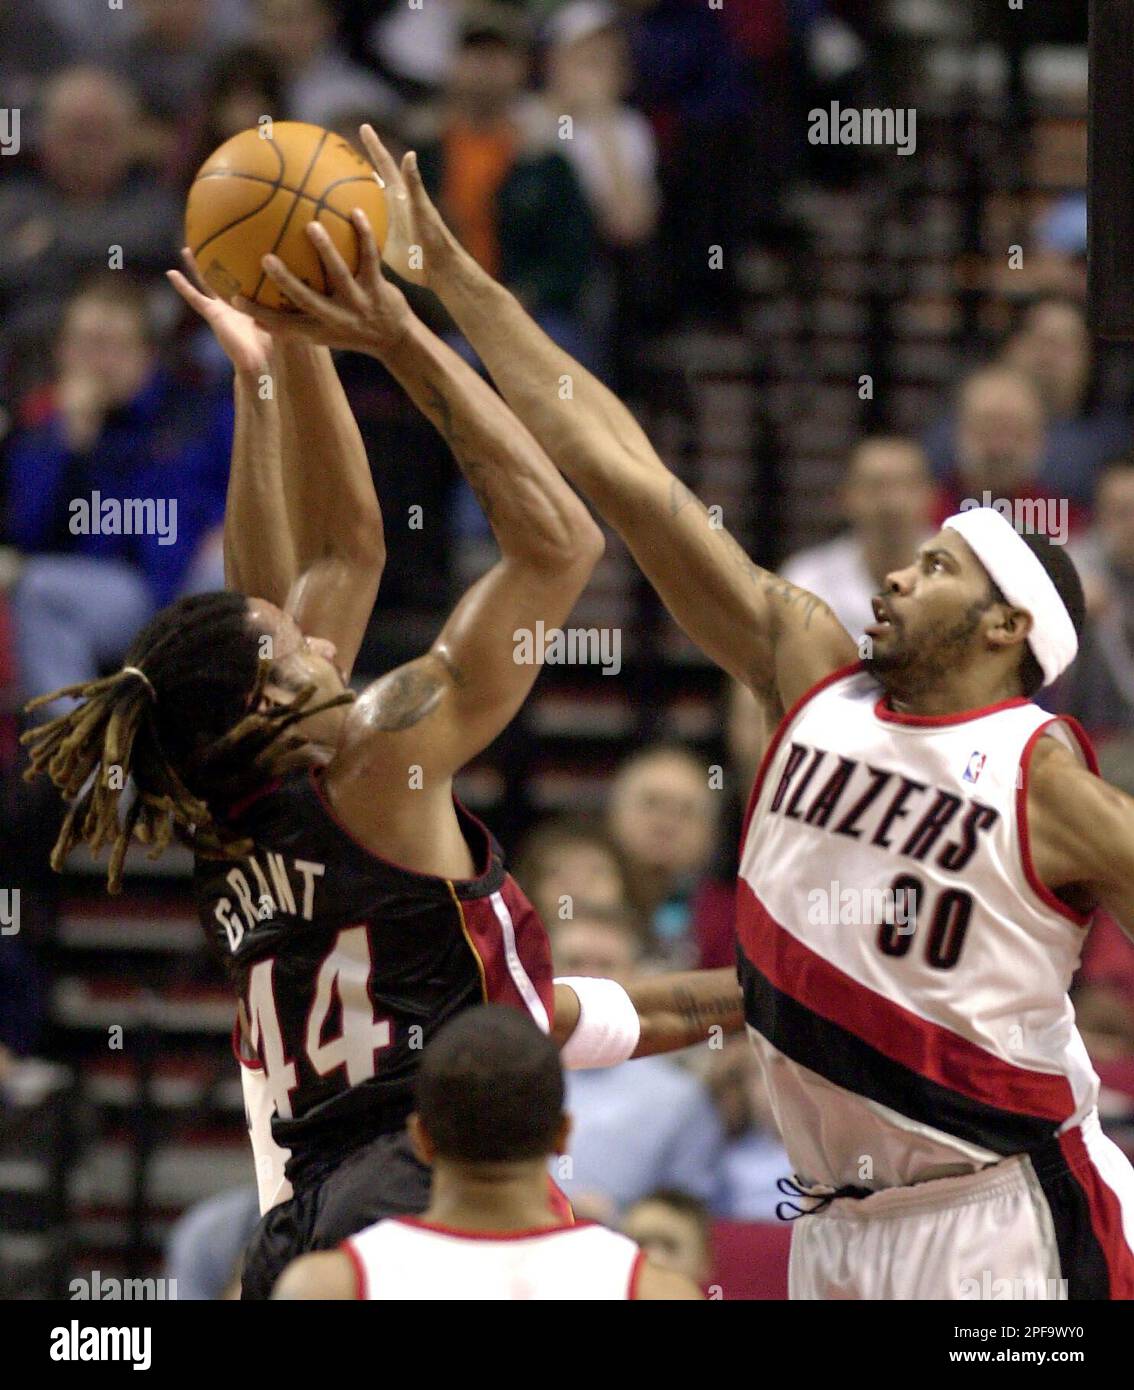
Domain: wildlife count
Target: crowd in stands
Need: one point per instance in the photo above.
(587, 152)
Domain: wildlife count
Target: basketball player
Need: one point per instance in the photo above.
(355, 904)
(927, 1077)
(489, 1114)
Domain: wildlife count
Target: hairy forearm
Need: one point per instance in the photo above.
(533, 514)
(332, 506)
(259, 554)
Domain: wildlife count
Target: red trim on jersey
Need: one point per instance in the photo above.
(1041, 890)
(485, 936)
(238, 807)
(634, 1289)
(321, 792)
(928, 1049)
(778, 736)
(937, 721)
(1106, 1214)
(255, 1064)
(361, 1284)
(421, 1224)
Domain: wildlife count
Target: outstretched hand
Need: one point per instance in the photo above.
(247, 343)
(418, 246)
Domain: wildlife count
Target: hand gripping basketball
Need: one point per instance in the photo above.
(363, 312)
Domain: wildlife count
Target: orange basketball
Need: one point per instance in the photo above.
(258, 192)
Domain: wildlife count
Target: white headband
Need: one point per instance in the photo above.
(1024, 582)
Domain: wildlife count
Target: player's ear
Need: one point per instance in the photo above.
(1010, 627)
(420, 1141)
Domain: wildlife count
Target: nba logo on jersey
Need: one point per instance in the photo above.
(975, 767)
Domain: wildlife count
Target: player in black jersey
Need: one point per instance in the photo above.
(355, 904)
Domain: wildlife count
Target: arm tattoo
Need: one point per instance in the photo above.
(778, 590)
(704, 1014)
(475, 472)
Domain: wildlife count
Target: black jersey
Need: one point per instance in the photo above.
(348, 964)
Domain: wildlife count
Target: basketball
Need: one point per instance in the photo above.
(256, 194)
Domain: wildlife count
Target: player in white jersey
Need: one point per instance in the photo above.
(928, 1082)
(489, 1115)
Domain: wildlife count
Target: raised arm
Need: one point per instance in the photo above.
(462, 693)
(776, 638)
(303, 528)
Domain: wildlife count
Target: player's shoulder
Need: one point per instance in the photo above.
(325, 1274)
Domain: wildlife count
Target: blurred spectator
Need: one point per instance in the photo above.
(1052, 345)
(1000, 443)
(320, 78)
(167, 57)
(566, 865)
(695, 86)
(664, 818)
(674, 1231)
(415, 47)
(505, 189)
(1099, 687)
(888, 500)
(205, 1246)
(119, 428)
(754, 1158)
(32, 46)
(82, 208)
(612, 150)
(635, 1127)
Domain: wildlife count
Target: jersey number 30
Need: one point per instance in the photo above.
(345, 971)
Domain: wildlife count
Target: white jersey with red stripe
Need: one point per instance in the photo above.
(900, 1046)
(410, 1258)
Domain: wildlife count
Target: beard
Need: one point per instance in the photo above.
(911, 665)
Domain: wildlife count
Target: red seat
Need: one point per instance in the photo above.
(750, 1259)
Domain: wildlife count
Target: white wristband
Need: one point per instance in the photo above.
(608, 1028)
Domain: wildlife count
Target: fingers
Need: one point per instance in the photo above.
(369, 259)
(423, 208)
(299, 294)
(380, 157)
(193, 270)
(189, 293)
(338, 276)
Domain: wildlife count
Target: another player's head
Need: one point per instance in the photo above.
(674, 1230)
(984, 605)
(489, 1096)
(216, 693)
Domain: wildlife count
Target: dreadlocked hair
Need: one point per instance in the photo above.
(183, 726)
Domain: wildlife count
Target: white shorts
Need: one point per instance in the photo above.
(1054, 1224)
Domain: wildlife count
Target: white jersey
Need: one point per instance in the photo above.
(408, 1258)
(901, 1046)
